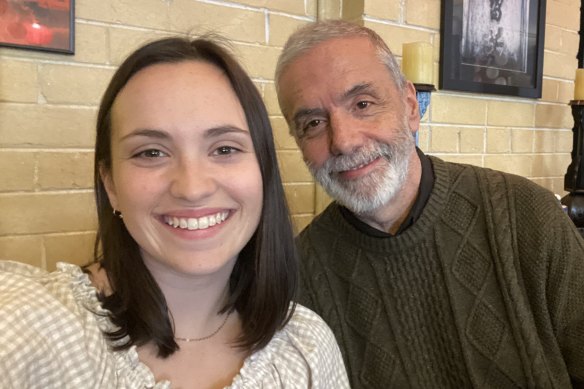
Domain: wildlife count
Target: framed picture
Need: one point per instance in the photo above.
(492, 46)
(46, 25)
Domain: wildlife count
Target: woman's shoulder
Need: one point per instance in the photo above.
(26, 282)
(19, 269)
(304, 352)
(307, 327)
(52, 331)
(39, 301)
(44, 323)
(68, 287)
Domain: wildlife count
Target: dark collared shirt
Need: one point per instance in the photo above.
(424, 191)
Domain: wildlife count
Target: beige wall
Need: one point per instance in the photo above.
(48, 104)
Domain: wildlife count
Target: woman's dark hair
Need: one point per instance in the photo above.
(264, 278)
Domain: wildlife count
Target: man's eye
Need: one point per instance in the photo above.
(363, 104)
(311, 128)
(313, 123)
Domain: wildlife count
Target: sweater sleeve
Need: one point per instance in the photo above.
(565, 294)
(551, 253)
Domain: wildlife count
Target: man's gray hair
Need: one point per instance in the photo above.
(312, 34)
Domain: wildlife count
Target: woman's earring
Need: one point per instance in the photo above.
(118, 214)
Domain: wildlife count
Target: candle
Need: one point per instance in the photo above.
(579, 85)
(417, 62)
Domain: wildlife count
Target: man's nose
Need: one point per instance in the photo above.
(344, 134)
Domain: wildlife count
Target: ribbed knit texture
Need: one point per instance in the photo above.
(485, 290)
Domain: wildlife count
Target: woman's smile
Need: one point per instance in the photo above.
(194, 223)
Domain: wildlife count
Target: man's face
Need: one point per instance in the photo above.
(354, 126)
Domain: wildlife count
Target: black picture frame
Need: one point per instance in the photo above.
(44, 25)
(492, 46)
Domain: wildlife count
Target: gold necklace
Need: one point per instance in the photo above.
(204, 337)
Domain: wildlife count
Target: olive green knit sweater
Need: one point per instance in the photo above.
(485, 290)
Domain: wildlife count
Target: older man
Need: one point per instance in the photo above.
(431, 274)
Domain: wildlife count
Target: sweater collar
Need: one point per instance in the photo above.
(420, 230)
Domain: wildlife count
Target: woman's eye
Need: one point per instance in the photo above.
(150, 153)
(225, 150)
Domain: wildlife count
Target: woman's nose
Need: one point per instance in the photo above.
(192, 180)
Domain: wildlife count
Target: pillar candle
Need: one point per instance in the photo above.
(417, 62)
(579, 85)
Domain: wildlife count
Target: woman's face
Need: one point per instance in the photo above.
(184, 171)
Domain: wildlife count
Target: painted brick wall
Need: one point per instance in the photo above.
(48, 104)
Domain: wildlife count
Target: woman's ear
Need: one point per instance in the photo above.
(108, 182)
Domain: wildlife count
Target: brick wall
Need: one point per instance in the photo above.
(48, 104)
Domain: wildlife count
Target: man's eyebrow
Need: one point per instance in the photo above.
(304, 112)
(358, 89)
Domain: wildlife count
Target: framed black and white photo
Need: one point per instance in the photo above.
(46, 25)
(492, 46)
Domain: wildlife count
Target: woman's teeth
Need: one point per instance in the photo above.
(200, 223)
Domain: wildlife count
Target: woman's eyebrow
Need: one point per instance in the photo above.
(161, 134)
(147, 132)
(226, 129)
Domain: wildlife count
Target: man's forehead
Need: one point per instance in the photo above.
(337, 48)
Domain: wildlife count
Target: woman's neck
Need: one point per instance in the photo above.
(193, 301)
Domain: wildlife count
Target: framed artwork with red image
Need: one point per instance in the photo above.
(46, 25)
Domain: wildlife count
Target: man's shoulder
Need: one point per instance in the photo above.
(513, 185)
(461, 173)
(528, 202)
(323, 223)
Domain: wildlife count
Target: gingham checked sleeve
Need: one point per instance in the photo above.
(51, 334)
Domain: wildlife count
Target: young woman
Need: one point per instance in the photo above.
(195, 264)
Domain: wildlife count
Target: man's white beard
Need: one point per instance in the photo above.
(366, 194)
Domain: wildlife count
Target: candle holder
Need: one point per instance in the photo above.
(423, 95)
(574, 177)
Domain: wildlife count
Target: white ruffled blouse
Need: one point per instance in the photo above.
(51, 336)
